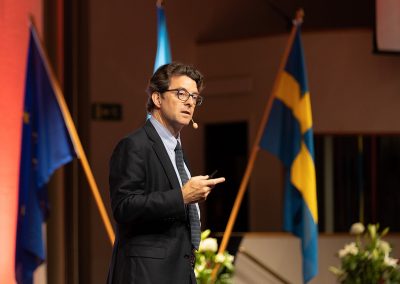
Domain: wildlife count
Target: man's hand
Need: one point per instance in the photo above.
(198, 188)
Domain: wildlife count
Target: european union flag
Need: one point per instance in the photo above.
(163, 55)
(289, 136)
(46, 146)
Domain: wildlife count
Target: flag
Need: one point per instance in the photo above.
(163, 55)
(289, 136)
(46, 146)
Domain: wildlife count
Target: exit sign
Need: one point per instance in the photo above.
(107, 111)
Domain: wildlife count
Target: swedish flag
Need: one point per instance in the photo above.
(289, 136)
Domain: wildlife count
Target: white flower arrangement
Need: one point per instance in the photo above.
(367, 259)
(207, 259)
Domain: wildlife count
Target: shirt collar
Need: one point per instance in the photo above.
(166, 136)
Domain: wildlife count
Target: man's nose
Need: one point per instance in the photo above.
(191, 101)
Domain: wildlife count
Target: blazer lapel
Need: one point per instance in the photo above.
(162, 154)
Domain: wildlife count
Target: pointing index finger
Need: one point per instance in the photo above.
(215, 181)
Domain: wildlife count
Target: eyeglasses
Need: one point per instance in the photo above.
(184, 95)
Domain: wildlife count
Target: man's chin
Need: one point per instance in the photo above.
(182, 123)
(185, 121)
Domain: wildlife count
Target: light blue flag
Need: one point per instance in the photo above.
(46, 146)
(163, 55)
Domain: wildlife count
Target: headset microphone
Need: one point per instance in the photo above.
(194, 125)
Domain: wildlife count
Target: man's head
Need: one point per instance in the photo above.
(161, 79)
(173, 95)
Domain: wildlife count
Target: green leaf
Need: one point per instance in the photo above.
(205, 234)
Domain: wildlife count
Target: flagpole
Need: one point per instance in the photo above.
(74, 137)
(160, 3)
(256, 146)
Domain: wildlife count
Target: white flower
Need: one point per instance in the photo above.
(230, 258)
(200, 268)
(357, 229)
(384, 246)
(390, 261)
(209, 244)
(220, 258)
(348, 249)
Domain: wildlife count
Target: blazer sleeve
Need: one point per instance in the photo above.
(131, 199)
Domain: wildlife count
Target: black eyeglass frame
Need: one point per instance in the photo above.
(196, 97)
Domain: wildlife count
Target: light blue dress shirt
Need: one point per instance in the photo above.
(170, 142)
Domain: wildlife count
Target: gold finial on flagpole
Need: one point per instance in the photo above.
(298, 20)
(160, 3)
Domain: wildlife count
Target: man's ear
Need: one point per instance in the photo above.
(156, 97)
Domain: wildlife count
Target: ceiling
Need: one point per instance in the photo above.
(221, 20)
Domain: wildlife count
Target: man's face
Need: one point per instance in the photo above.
(174, 112)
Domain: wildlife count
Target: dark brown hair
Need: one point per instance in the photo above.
(161, 79)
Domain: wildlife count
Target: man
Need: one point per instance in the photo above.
(153, 198)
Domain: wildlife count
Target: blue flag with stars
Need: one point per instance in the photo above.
(46, 146)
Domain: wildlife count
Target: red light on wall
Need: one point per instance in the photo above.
(14, 27)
